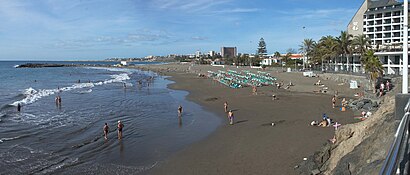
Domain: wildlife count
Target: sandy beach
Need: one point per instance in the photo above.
(252, 145)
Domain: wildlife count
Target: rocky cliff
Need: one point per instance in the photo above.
(360, 147)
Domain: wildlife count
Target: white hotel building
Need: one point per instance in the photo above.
(382, 22)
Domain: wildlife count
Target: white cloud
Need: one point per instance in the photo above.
(314, 14)
(199, 38)
(188, 5)
(239, 10)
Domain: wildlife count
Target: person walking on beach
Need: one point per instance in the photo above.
(334, 101)
(180, 111)
(226, 106)
(18, 107)
(254, 90)
(230, 117)
(120, 126)
(106, 129)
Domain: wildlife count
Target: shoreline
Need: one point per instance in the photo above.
(252, 145)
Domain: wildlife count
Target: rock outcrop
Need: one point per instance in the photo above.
(364, 104)
(360, 148)
(39, 65)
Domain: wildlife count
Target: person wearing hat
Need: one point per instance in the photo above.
(120, 126)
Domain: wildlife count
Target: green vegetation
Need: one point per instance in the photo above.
(373, 67)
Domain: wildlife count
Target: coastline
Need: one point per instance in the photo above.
(251, 145)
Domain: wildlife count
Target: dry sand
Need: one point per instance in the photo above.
(252, 145)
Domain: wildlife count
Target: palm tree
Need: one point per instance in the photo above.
(373, 67)
(307, 47)
(344, 41)
(327, 48)
(276, 54)
(361, 44)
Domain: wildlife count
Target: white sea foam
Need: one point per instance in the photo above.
(11, 138)
(86, 91)
(32, 95)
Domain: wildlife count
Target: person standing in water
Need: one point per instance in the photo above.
(18, 107)
(58, 100)
(180, 110)
(226, 106)
(120, 127)
(106, 129)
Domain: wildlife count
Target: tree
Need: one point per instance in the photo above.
(262, 52)
(361, 43)
(373, 67)
(344, 43)
(291, 51)
(326, 49)
(276, 54)
(307, 47)
(286, 58)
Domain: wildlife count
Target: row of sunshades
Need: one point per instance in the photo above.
(234, 79)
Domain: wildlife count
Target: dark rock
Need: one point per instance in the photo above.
(315, 172)
(366, 100)
(359, 105)
(37, 65)
(375, 104)
(367, 106)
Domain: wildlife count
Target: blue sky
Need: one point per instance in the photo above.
(99, 29)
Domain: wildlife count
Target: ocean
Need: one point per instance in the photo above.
(45, 138)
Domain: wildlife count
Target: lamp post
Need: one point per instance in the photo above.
(405, 47)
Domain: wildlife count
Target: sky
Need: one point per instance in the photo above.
(100, 29)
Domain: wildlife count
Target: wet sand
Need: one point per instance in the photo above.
(252, 145)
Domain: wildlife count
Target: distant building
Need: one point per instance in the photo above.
(211, 53)
(198, 54)
(295, 56)
(229, 52)
(124, 63)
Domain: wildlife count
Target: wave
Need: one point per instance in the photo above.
(86, 91)
(32, 95)
(12, 138)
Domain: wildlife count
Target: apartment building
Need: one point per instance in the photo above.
(382, 22)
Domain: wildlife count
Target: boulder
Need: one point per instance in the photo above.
(360, 105)
(367, 106)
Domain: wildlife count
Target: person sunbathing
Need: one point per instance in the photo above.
(323, 123)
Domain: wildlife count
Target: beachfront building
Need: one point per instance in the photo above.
(382, 22)
(271, 59)
(229, 52)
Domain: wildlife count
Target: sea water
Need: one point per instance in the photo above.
(45, 138)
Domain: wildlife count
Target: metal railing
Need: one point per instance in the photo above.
(397, 161)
